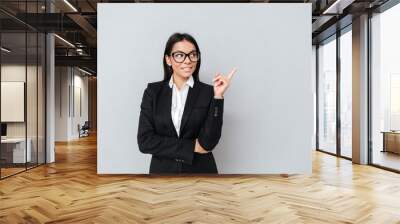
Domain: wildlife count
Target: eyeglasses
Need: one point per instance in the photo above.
(180, 56)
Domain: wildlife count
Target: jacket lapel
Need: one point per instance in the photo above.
(189, 104)
(166, 102)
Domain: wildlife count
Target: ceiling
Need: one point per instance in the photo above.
(76, 22)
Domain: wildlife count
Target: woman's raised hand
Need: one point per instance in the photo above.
(221, 83)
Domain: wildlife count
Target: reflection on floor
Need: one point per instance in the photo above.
(386, 159)
(346, 152)
(10, 169)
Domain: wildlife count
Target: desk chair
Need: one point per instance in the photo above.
(84, 130)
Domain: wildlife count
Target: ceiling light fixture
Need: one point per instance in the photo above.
(65, 41)
(338, 6)
(5, 50)
(70, 5)
(84, 71)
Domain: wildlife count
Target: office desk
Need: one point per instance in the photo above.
(391, 141)
(13, 150)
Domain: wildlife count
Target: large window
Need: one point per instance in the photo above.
(385, 88)
(327, 96)
(335, 73)
(346, 93)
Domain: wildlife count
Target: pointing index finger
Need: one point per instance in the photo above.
(232, 72)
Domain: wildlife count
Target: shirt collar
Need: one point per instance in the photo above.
(189, 82)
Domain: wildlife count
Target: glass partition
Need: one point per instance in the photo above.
(22, 77)
(32, 95)
(41, 91)
(14, 153)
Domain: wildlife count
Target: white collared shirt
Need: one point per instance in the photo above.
(179, 100)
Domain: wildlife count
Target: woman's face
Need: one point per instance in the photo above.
(183, 68)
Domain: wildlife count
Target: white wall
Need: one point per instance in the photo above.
(61, 103)
(33, 126)
(17, 73)
(268, 115)
(79, 117)
(68, 82)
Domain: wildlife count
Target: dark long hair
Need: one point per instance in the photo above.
(174, 38)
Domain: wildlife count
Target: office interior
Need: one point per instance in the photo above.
(48, 81)
(27, 59)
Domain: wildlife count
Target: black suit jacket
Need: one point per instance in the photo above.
(201, 119)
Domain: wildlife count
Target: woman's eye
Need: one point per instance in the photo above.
(179, 55)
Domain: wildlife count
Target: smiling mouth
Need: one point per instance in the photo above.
(187, 68)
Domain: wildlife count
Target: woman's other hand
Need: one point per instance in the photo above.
(221, 83)
(199, 149)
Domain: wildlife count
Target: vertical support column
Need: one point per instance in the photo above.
(338, 97)
(360, 90)
(317, 97)
(50, 92)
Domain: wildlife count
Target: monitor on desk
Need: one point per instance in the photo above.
(3, 130)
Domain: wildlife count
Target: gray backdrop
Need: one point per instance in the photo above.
(268, 118)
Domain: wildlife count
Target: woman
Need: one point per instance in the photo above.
(181, 118)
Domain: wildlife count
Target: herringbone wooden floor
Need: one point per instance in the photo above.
(70, 191)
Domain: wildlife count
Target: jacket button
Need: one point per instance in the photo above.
(215, 111)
